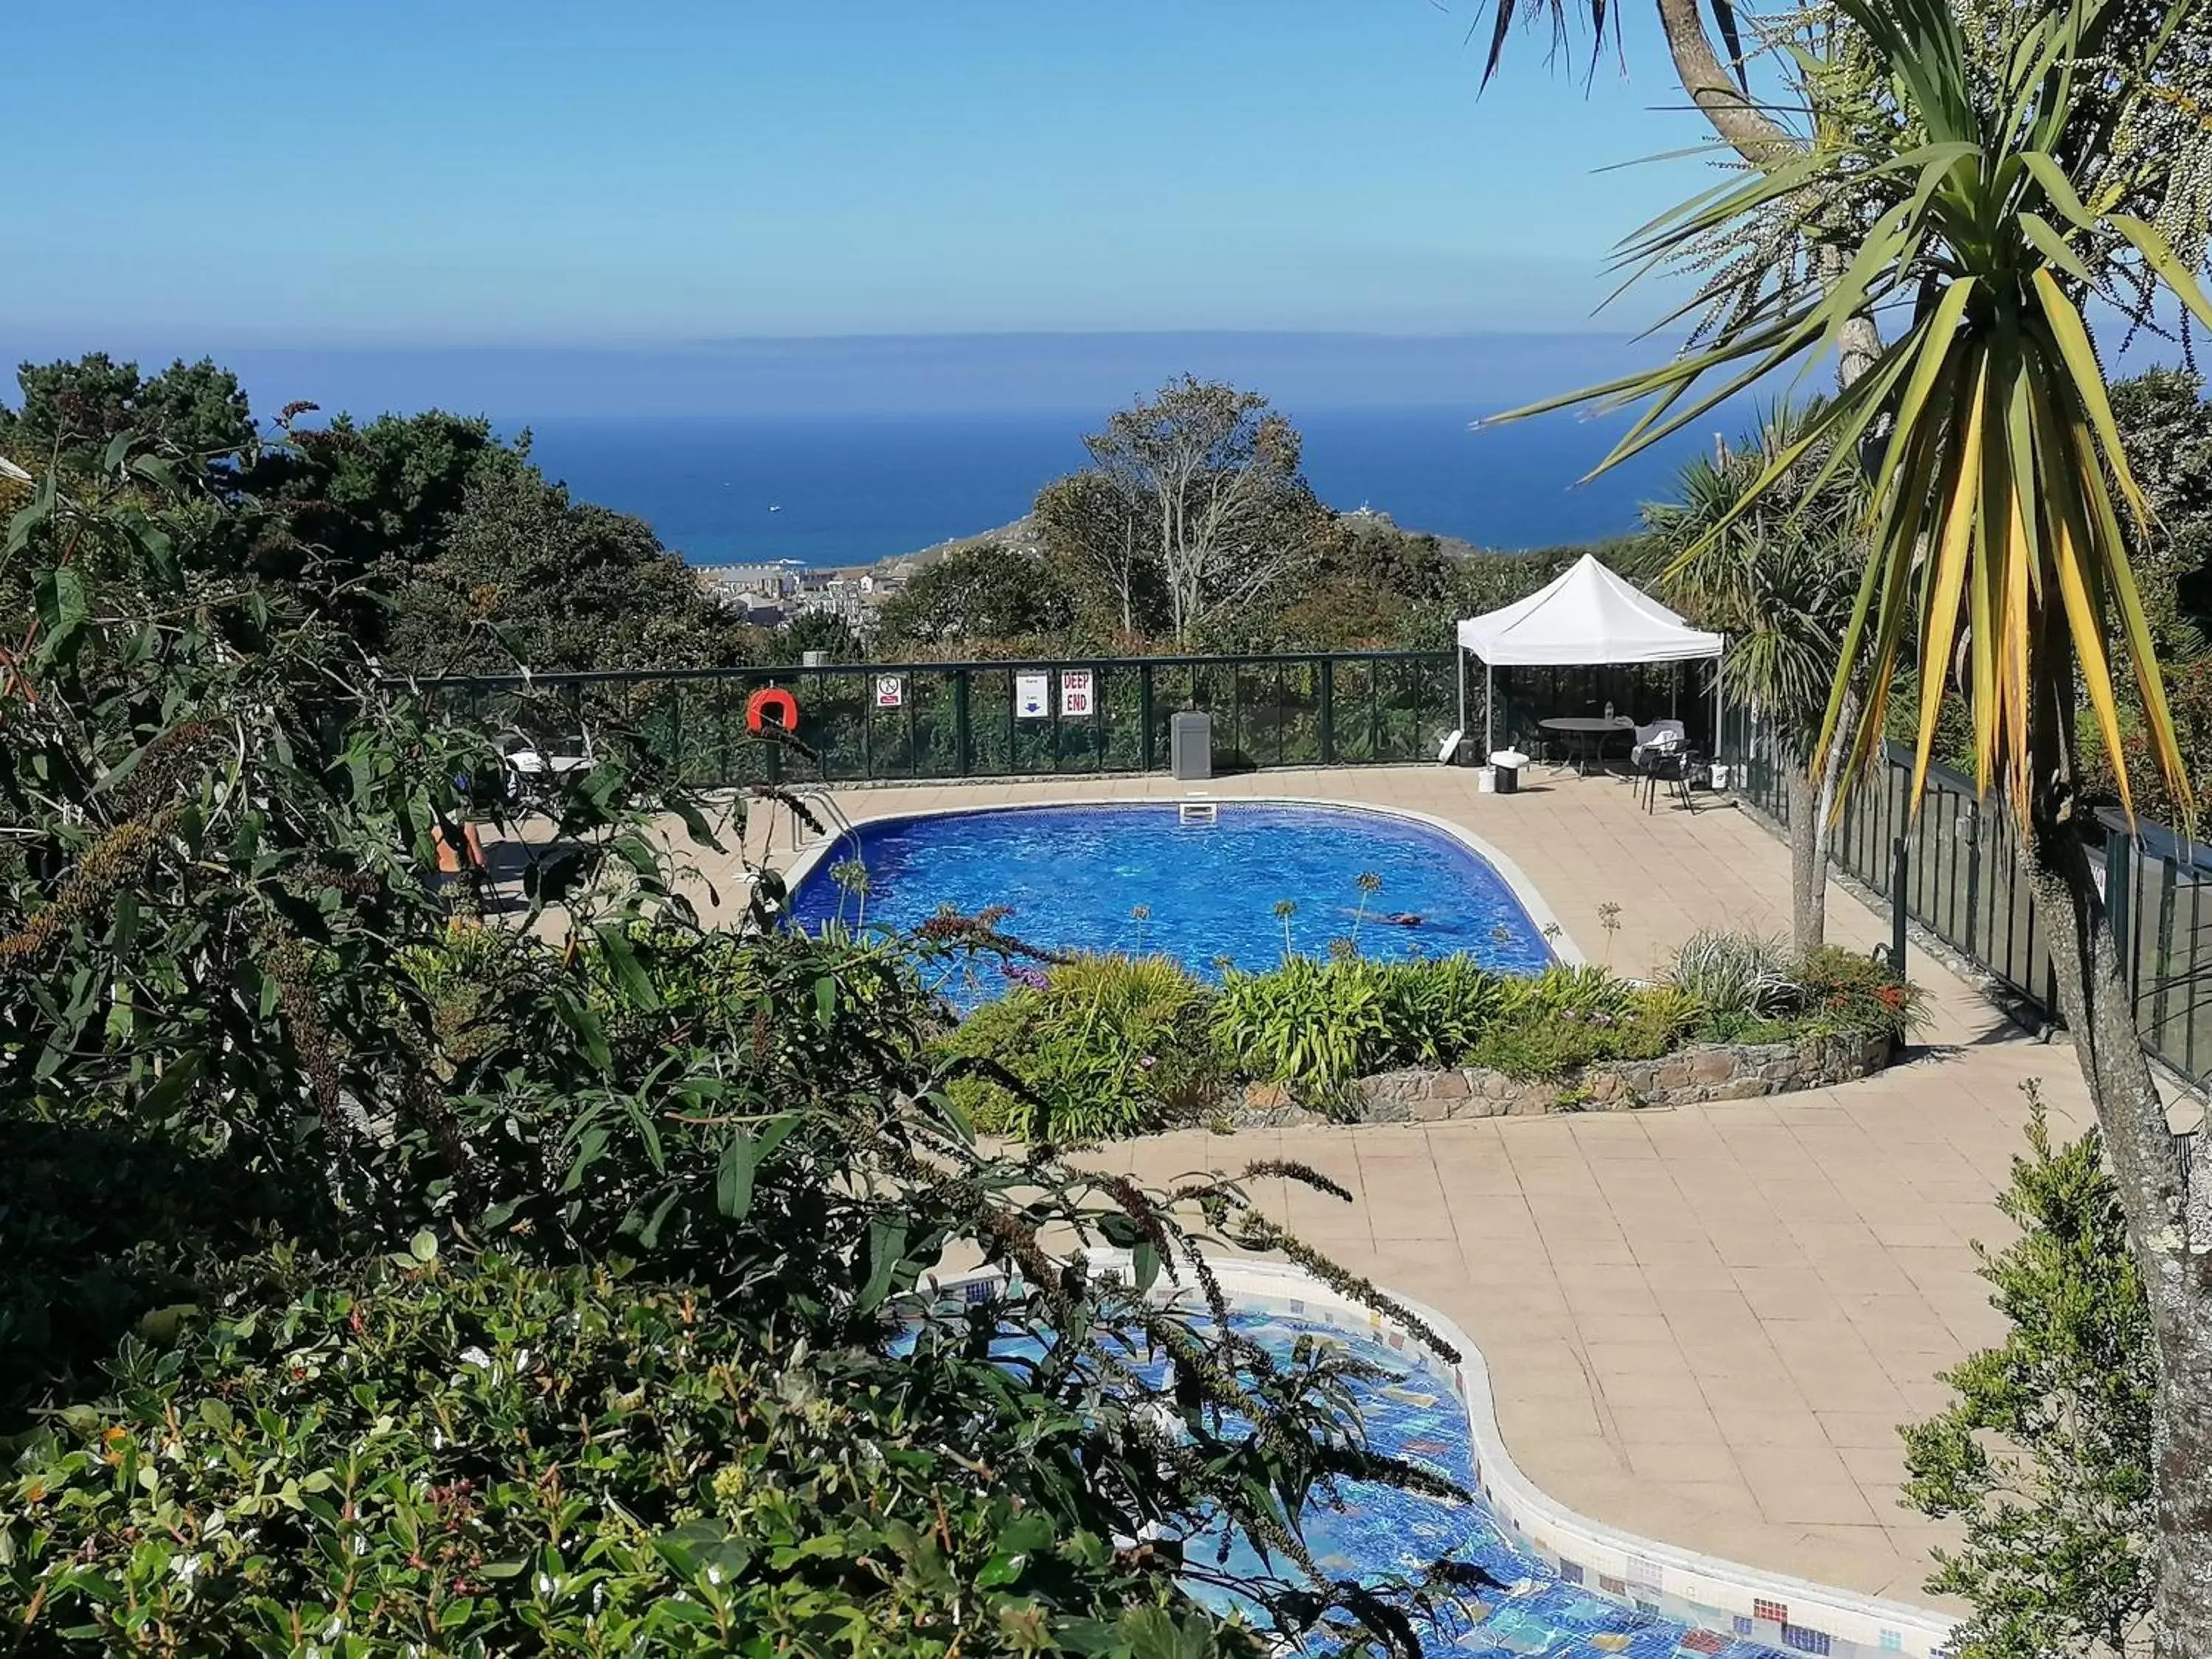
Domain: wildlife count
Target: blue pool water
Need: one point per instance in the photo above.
(1413, 1412)
(1373, 1533)
(1074, 875)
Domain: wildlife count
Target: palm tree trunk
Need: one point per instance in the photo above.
(2172, 1247)
(1808, 866)
(1761, 141)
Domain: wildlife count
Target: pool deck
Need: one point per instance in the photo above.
(1702, 1325)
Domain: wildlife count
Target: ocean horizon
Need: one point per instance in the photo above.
(848, 488)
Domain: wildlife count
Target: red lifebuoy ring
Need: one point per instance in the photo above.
(768, 697)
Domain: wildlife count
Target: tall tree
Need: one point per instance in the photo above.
(982, 597)
(1094, 525)
(1777, 575)
(1215, 474)
(190, 409)
(2167, 423)
(1717, 80)
(524, 575)
(363, 495)
(2009, 163)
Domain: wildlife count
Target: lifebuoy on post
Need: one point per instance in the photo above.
(768, 697)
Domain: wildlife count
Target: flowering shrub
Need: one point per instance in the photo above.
(1087, 1050)
(1840, 993)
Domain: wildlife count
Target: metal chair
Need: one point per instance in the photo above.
(1677, 766)
(1660, 735)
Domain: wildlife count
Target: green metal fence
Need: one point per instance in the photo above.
(922, 720)
(1965, 880)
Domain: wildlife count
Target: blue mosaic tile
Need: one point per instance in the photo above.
(1412, 1412)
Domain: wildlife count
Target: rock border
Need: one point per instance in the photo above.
(1687, 1076)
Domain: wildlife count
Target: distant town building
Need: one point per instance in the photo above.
(765, 579)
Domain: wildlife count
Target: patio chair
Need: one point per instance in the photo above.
(1677, 766)
(1656, 738)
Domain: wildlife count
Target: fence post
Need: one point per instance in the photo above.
(1144, 717)
(2119, 903)
(1899, 865)
(962, 759)
(1328, 711)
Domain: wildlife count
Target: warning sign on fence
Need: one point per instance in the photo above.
(1032, 702)
(1074, 692)
(890, 690)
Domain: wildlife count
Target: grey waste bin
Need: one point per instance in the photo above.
(1190, 745)
(1505, 766)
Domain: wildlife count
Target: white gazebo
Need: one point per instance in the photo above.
(1586, 616)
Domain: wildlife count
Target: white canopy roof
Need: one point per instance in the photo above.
(1585, 615)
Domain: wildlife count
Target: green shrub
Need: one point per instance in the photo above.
(1742, 1028)
(496, 1456)
(1310, 1025)
(1439, 1008)
(1842, 994)
(1581, 991)
(1556, 1043)
(466, 977)
(2043, 1458)
(1107, 1046)
(1733, 975)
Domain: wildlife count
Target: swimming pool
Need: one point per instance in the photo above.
(1137, 877)
(1412, 1411)
(1566, 1587)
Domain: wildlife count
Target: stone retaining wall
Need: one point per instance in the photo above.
(1691, 1077)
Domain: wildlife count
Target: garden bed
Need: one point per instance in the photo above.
(1101, 1047)
(1688, 1077)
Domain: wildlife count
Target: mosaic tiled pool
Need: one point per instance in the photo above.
(1544, 1599)
(1547, 1609)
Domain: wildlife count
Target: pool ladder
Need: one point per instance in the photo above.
(825, 806)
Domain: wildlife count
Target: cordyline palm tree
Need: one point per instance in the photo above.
(1716, 76)
(2002, 177)
(1777, 575)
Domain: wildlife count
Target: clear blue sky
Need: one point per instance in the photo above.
(536, 174)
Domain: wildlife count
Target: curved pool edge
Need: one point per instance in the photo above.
(1525, 892)
(1684, 1583)
(1649, 1568)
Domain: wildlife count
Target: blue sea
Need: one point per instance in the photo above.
(850, 488)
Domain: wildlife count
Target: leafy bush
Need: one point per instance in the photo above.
(2045, 1452)
(1560, 988)
(1733, 975)
(1107, 1046)
(1439, 1008)
(1841, 993)
(1555, 1043)
(494, 1456)
(1311, 1025)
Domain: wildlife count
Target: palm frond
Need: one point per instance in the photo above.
(1993, 522)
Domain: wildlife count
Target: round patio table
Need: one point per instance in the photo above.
(1586, 735)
